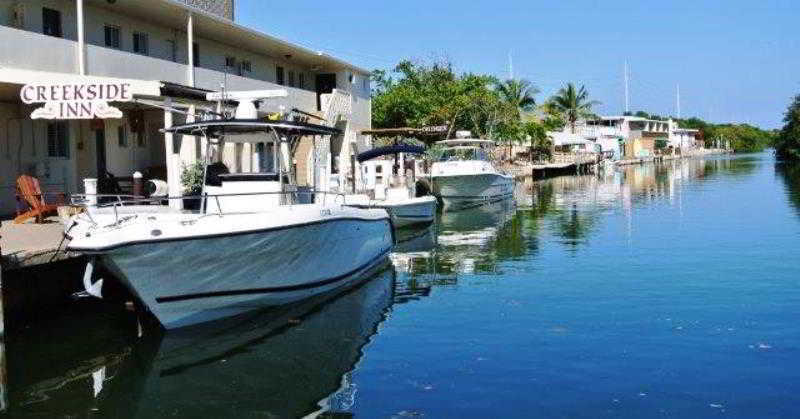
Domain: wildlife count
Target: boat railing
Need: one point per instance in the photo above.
(200, 203)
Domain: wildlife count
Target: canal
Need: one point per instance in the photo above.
(668, 290)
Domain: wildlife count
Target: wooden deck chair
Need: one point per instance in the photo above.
(30, 193)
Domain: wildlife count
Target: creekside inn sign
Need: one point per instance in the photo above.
(76, 100)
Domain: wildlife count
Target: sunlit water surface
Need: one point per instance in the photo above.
(655, 291)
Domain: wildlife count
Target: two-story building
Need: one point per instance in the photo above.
(171, 53)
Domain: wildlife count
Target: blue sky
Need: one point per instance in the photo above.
(735, 60)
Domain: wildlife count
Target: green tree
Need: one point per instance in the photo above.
(787, 143)
(540, 143)
(573, 103)
(518, 95)
(427, 95)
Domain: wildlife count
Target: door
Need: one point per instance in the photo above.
(325, 83)
(100, 147)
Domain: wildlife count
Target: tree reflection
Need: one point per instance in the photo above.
(791, 178)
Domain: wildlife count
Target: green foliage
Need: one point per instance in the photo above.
(742, 137)
(429, 95)
(418, 95)
(192, 178)
(787, 143)
(540, 143)
(572, 103)
(435, 152)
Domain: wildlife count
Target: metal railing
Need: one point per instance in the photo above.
(288, 198)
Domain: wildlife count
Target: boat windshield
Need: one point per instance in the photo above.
(463, 154)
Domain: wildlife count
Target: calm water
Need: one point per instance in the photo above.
(657, 291)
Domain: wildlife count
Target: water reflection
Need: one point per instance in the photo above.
(790, 174)
(300, 361)
(286, 363)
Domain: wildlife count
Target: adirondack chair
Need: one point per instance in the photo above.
(30, 193)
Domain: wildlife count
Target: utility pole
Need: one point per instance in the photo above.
(627, 91)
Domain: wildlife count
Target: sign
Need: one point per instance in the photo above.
(76, 101)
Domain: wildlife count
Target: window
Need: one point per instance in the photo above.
(196, 54)
(140, 139)
(173, 50)
(58, 139)
(230, 62)
(112, 36)
(247, 66)
(366, 84)
(291, 78)
(302, 81)
(351, 78)
(141, 43)
(51, 22)
(122, 136)
(279, 75)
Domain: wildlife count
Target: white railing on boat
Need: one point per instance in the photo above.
(116, 202)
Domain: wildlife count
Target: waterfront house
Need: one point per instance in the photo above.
(168, 52)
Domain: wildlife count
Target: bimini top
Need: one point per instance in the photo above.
(466, 142)
(221, 128)
(389, 150)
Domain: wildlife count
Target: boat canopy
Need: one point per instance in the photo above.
(390, 150)
(241, 127)
(466, 142)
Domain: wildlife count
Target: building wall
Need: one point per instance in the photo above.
(27, 48)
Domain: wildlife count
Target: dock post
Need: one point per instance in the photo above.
(138, 187)
(3, 375)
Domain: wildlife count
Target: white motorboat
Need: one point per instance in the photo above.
(251, 244)
(465, 177)
(388, 188)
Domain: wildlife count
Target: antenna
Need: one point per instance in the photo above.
(510, 66)
(627, 91)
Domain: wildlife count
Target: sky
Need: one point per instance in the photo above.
(734, 60)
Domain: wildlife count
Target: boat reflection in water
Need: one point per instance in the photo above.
(466, 237)
(289, 362)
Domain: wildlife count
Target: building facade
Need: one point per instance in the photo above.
(171, 53)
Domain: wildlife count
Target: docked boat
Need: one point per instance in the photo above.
(387, 186)
(257, 239)
(464, 175)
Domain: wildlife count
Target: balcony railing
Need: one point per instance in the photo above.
(34, 51)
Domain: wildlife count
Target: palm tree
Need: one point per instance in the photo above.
(518, 95)
(573, 103)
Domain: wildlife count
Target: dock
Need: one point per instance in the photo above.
(36, 275)
(29, 245)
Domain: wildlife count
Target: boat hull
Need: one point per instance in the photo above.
(411, 212)
(187, 282)
(471, 190)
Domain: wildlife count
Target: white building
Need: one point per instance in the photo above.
(631, 136)
(165, 50)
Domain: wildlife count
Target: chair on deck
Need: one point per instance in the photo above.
(30, 192)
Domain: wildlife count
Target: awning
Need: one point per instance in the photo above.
(221, 128)
(389, 150)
